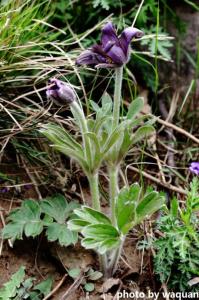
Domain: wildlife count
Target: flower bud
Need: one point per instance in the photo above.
(60, 92)
(194, 168)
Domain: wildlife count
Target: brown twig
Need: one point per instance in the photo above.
(168, 117)
(73, 287)
(176, 128)
(164, 287)
(56, 287)
(166, 185)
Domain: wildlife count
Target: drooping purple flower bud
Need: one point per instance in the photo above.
(194, 168)
(60, 92)
(113, 51)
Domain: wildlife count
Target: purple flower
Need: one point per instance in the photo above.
(194, 168)
(60, 92)
(27, 186)
(113, 51)
(4, 190)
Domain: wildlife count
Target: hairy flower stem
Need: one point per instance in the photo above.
(113, 170)
(93, 179)
(94, 188)
(117, 96)
(115, 259)
(80, 118)
(104, 265)
(113, 190)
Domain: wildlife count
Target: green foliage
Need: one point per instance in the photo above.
(107, 145)
(42, 288)
(20, 288)
(89, 287)
(132, 207)
(88, 275)
(22, 29)
(96, 228)
(160, 42)
(10, 288)
(26, 219)
(177, 259)
(50, 214)
(103, 3)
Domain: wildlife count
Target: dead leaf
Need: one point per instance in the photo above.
(193, 281)
(109, 283)
(106, 297)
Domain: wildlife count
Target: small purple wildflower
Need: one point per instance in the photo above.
(27, 186)
(113, 51)
(4, 190)
(194, 168)
(60, 92)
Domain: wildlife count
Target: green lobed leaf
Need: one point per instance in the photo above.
(94, 275)
(106, 99)
(13, 231)
(108, 245)
(142, 133)
(45, 286)
(24, 219)
(150, 204)
(60, 136)
(89, 287)
(100, 232)
(126, 143)
(28, 220)
(23, 290)
(174, 207)
(74, 273)
(76, 155)
(58, 208)
(77, 224)
(113, 139)
(61, 233)
(99, 124)
(100, 245)
(94, 105)
(135, 107)
(89, 243)
(96, 151)
(91, 215)
(125, 206)
(9, 289)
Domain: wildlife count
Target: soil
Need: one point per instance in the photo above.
(42, 259)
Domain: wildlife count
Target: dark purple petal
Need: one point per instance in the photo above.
(60, 92)
(89, 57)
(116, 55)
(127, 35)
(108, 46)
(113, 51)
(194, 168)
(101, 55)
(109, 36)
